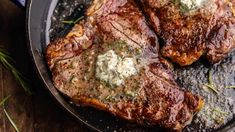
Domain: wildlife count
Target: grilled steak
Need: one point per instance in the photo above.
(192, 28)
(111, 61)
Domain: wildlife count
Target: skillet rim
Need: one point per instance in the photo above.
(229, 127)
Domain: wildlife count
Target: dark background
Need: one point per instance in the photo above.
(37, 112)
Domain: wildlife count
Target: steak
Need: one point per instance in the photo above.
(203, 27)
(111, 61)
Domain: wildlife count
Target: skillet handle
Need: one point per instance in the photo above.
(20, 3)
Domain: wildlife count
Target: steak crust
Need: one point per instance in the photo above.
(188, 35)
(151, 97)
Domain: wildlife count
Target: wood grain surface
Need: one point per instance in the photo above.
(35, 113)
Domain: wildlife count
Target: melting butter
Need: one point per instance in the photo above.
(113, 70)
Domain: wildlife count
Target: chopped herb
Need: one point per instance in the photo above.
(130, 94)
(217, 119)
(212, 88)
(85, 78)
(6, 60)
(11, 121)
(4, 100)
(220, 111)
(73, 22)
(138, 51)
(72, 78)
(230, 87)
(119, 42)
(110, 98)
(210, 84)
(138, 60)
(218, 115)
(210, 76)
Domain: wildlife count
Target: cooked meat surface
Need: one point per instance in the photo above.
(111, 61)
(192, 28)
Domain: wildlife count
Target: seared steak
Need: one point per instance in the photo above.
(192, 28)
(111, 61)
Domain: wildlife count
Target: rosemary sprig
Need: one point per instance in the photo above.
(11, 121)
(230, 87)
(212, 88)
(210, 77)
(7, 115)
(73, 22)
(210, 85)
(4, 100)
(7, 61)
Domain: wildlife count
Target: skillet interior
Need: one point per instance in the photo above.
(39, 21)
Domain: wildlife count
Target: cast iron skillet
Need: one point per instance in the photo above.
(38, 22)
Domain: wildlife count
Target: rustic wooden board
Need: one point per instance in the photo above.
(31, 113)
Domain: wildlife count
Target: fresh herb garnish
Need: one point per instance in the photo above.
(4, 100)
(73, 22)
(111, 98)
(130, 94)
(210, 85)
(7, 61)
(11, 121)
(230, 87)
(115, 98)
(220, 111)
(7, 115)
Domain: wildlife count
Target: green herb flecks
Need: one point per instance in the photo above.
(111, 98)
(7, 61)
(210, 85)
(73, 22)
(130, 94)
(220, 111)
(218, 115)
(184, 8)
(11, 121)
(4, 100)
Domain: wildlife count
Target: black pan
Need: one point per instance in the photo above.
(38, 23)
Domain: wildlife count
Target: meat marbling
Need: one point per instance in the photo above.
(149, 97)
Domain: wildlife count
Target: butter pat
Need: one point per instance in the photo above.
(126, 67)
(192, 4)
(113, 70)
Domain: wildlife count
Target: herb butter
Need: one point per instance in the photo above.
(113, 70)
(191, 4)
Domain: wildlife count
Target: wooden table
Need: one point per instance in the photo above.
(30, 113)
